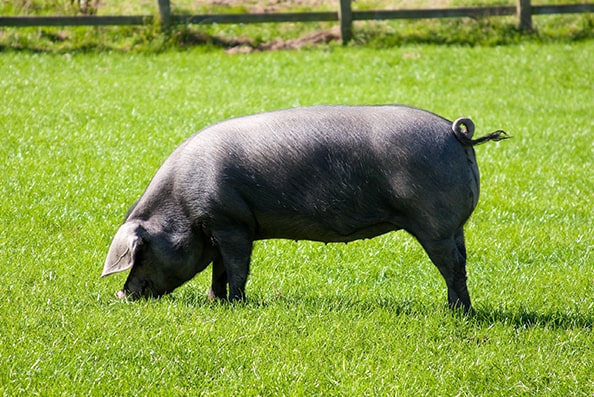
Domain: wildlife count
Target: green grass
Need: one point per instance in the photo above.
(82, 135)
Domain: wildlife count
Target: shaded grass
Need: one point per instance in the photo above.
(83, 134)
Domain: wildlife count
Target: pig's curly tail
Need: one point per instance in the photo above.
(463, 129)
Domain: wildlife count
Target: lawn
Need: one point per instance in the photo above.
(82, 134)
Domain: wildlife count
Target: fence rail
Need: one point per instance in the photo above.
(345, 15)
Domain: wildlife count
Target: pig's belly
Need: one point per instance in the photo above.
(325, 229)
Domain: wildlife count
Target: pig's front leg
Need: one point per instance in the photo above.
(218, 288)
(235, 248)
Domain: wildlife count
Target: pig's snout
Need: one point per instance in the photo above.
(131, 293)
(126, 294)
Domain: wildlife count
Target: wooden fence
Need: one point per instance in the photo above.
(345, 15)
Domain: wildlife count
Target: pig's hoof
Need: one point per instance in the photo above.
(121, 294)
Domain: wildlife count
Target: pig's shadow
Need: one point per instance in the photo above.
(484, 315)
(534, 318)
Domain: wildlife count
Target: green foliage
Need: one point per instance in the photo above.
(82, 134)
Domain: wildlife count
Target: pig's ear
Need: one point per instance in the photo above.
(124, 249)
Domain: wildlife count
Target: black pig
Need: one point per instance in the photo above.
(325, 173)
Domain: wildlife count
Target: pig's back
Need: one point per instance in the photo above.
(331, 170)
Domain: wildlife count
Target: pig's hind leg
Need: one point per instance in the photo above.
(449, 255)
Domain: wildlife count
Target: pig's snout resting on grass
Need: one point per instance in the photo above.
(325, 173)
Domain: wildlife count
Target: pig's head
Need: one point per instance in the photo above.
(158, 261)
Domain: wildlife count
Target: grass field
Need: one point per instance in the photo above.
(82, 134)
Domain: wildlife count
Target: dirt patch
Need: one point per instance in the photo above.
(309, 40)
(187, 38)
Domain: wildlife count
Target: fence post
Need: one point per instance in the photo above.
(524, 15)
(164, 14)
(346, 21)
